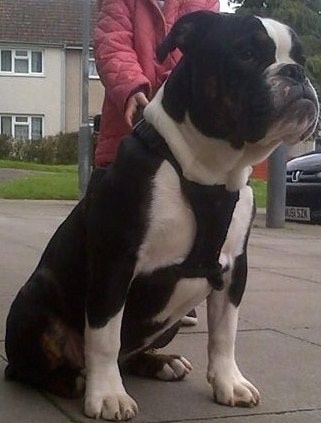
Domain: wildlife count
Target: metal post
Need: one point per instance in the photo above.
(276, 188)
(84, 144)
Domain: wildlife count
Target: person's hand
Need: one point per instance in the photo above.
(133, 103)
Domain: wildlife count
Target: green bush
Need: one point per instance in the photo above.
(5, 145)
(67, 148)
(58, 149)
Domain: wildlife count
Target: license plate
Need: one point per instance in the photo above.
(298, 213)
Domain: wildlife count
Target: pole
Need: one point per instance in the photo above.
(276, 188)
(84, 142)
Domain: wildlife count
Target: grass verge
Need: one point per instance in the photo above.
(60, 182)
(59, 186)
(12, 164)
(259, 188)
(49, 182)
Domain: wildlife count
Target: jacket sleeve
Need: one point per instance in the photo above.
(116, 59)
(196, 5)
(212, 5)
(215, 6)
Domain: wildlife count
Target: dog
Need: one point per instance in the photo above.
(166, 226)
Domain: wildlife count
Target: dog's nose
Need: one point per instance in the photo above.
(293, 71)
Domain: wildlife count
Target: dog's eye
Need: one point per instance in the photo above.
(247, 55)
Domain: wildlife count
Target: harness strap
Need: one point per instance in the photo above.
(212, 206)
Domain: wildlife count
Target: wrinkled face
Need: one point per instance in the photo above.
(241, 79)
(294, 100)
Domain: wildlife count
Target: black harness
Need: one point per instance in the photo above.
(212, 206)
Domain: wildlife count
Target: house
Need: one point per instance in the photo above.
(41, 67)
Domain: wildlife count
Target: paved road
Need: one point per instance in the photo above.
(278, 343)
(10, 174)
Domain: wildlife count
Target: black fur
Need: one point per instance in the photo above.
(239, 108)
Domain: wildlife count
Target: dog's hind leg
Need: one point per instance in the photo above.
(52, 355)
(151, 364)
(165, 367)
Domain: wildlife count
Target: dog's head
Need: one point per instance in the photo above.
(240, 79)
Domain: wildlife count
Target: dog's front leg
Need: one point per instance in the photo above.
(105, 394)
(228, 384)
(110, 276)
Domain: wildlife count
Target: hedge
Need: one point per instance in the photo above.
(57, 149)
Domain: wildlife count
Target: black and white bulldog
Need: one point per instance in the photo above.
(166, 226)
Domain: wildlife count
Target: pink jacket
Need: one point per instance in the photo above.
(125, 40)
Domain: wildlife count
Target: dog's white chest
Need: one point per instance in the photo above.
(172, 226)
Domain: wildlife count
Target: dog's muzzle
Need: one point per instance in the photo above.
(294, 100)
(289, 84)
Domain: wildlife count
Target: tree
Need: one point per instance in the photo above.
(302, 15)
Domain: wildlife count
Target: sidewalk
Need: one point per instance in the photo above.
(278, 343)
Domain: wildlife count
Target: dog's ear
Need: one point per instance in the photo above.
(186, 32)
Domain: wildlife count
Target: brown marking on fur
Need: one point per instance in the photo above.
(62, 345)
(74, 349)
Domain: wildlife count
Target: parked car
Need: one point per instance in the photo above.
(303, 188)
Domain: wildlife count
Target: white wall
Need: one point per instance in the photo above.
(74, 90)
(37, 95)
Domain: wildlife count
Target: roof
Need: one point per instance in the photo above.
(56, 22)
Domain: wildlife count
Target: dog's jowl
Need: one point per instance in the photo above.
(166, 226)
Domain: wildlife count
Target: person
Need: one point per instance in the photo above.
(126, 37)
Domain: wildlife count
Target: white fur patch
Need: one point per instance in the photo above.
(176, 369)
(281, 36)
(233, 245)
(203, 159)
(105, 395)
(172, 224)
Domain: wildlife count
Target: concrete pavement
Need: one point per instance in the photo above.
(278, 343)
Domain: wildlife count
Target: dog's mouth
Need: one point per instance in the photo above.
(305, 112)
(288, 93)
(295, 108)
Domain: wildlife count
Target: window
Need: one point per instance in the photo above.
(21, 61)
(22, 127)
(6, 126)
(92, 72)
(6, 60)
(25, 62)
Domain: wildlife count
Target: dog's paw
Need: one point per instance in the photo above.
(175, 368)
(232, 389)
(115, 407)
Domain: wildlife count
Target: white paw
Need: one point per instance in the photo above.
(175, 369)
(114, 407)
(231, 388)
